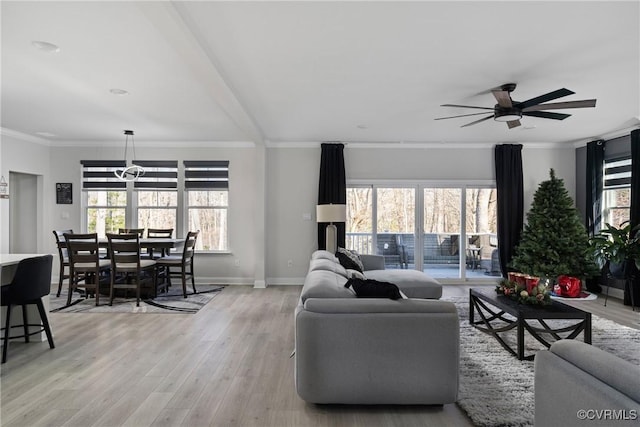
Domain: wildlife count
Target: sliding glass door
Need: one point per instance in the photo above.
(447, 231)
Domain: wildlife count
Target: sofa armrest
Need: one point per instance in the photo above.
(608, 368)
(372, 262)
(573, 376)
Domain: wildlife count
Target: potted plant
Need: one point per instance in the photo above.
(615, 249)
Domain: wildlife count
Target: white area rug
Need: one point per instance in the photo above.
(496, 389)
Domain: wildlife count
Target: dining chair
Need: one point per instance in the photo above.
(129, 271)
(139, 231)
(31, 282)
(182, 265)
(160, 233)
(63, 254)
(85, 264)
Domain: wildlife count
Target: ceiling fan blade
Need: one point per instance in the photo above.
(513, 124)
(544, 98)
(477, 121)
(586, 103)
(546, 115)
(503, 98)
(461, 115)
(465, 106)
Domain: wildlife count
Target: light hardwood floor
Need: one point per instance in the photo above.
(227, 365)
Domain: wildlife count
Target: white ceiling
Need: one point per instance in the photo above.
(303, 72)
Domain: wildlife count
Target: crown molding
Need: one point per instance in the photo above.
(24, 137)
(412, 144)
(158, 144)
(607, 135)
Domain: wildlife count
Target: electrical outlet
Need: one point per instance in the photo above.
(290, 263)
(237, 263)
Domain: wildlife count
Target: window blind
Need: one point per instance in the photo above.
(617, 173)
(206, 174)
(157, 174)
(98, 174)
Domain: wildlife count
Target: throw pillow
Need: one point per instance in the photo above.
(355, 274)
(349, 260)
(369, 288)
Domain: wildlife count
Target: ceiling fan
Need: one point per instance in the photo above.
(510, 111)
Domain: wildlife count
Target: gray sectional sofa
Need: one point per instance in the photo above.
(352, 350)
(577, 384)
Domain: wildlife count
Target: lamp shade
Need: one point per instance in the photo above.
(331, 213)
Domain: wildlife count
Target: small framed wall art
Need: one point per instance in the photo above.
(64, 194)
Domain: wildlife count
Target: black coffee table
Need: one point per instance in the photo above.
(491, 306)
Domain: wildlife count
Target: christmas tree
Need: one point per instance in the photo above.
(554, 241)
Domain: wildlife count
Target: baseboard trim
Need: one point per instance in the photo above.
(289, 281)
(275, 281)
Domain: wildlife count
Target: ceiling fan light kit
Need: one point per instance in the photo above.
(509, 111)
(507, 114)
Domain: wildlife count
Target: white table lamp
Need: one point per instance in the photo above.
(331, 213)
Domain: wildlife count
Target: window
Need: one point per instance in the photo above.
(616, 197)
(156, 195)
(152, 201)
(157, 209)
(207, 187)
(106, 211)
(106, 196)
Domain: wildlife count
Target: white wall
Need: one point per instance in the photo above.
(292, 187)
(291, 192)
(28, 156)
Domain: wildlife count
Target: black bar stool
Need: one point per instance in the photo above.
(31, 282)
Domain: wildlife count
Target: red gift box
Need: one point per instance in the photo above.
(567, 286)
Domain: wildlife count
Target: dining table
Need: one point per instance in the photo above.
(163, 244)
(150, 244)
(8, 265)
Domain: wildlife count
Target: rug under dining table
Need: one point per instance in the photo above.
(171, 302)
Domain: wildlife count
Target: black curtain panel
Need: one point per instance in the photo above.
(635, 178)
(509, 186)
(595, 170)
(634, 219)
(332, 187)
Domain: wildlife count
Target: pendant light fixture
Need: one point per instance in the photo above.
(133, 172)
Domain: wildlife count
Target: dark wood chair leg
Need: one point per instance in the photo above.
(193, 280)
(60, 281)
(184, 281)
(72, 281)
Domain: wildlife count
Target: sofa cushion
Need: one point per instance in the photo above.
(322, 254)
(328, 265)
(325, 284)
(414, 283)
(349, 260)
(368, 288)
(354, 273)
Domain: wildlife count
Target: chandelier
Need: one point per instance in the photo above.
(133, 172)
